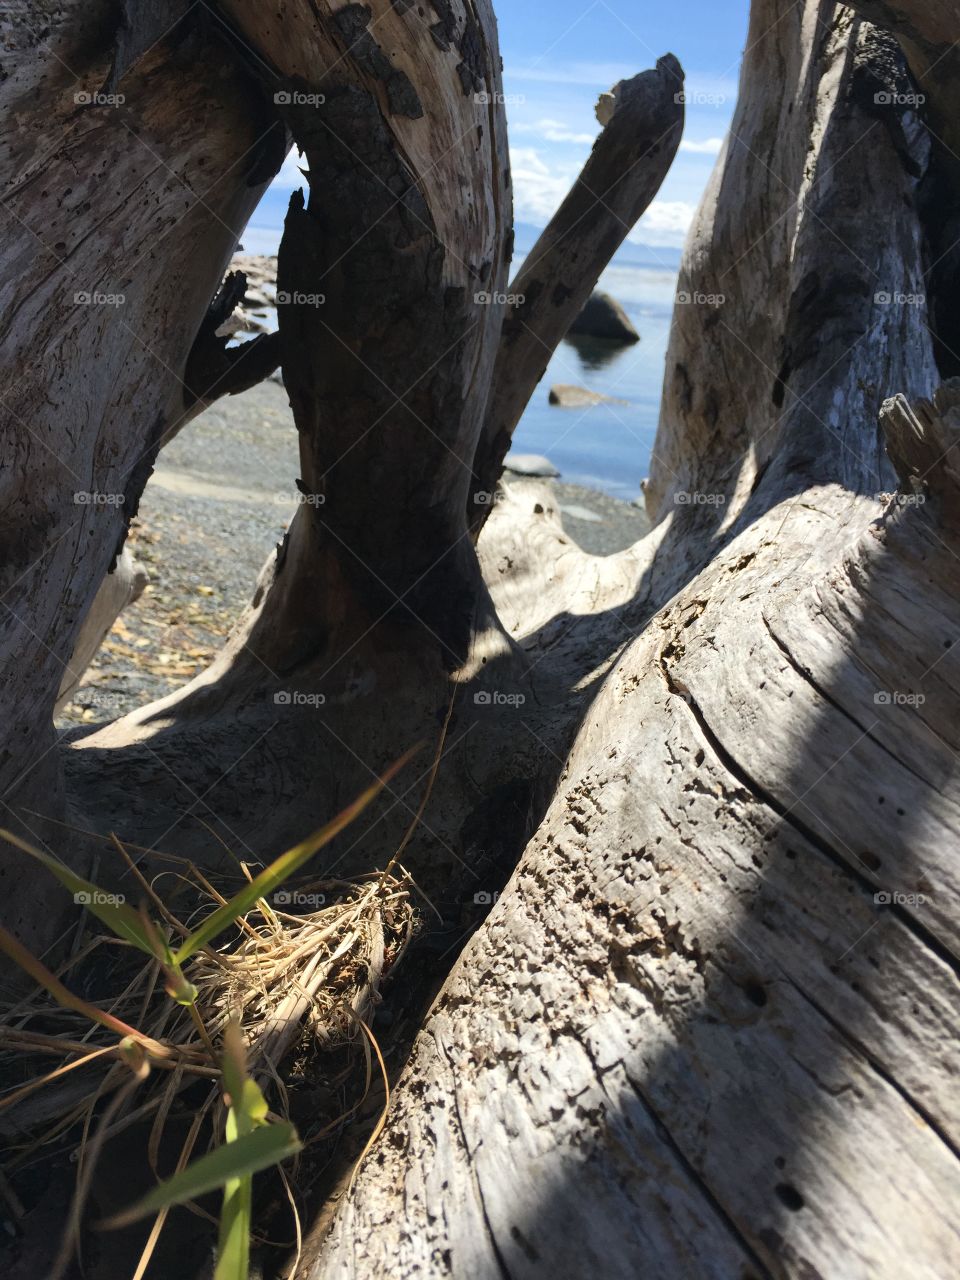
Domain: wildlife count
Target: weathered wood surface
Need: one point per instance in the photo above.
(119, 217)
(120, 587)
(691, 1039)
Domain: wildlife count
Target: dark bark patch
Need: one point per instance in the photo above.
(469, 45)
(141, 26)
(351, 24)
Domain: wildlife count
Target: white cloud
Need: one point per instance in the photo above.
(537, 189)
(554, 131)
(665, 224)
(540, 186)
(708, 147)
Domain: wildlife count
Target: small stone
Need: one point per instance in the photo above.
(569, 397)
(530, 464)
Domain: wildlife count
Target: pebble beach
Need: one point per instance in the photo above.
(220, 498)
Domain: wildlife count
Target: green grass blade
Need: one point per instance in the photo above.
(233, 1248)
(268, 1145)
(117, 916)
(285, 866)
(42, 976)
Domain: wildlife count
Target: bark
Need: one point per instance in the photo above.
(690, 1038)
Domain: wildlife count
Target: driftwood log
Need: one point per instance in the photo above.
(708, 1028)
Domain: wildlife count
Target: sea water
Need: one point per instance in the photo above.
(606, 446)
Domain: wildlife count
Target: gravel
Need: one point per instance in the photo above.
(220, 499)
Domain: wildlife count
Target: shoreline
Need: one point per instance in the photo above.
(220, 498)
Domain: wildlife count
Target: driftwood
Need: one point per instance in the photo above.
(707, 1029)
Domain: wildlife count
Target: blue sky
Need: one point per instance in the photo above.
(559, 55)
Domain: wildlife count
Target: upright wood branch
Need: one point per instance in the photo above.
(643, 122)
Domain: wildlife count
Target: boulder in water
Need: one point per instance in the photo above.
(603, 317)
(579, 397)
